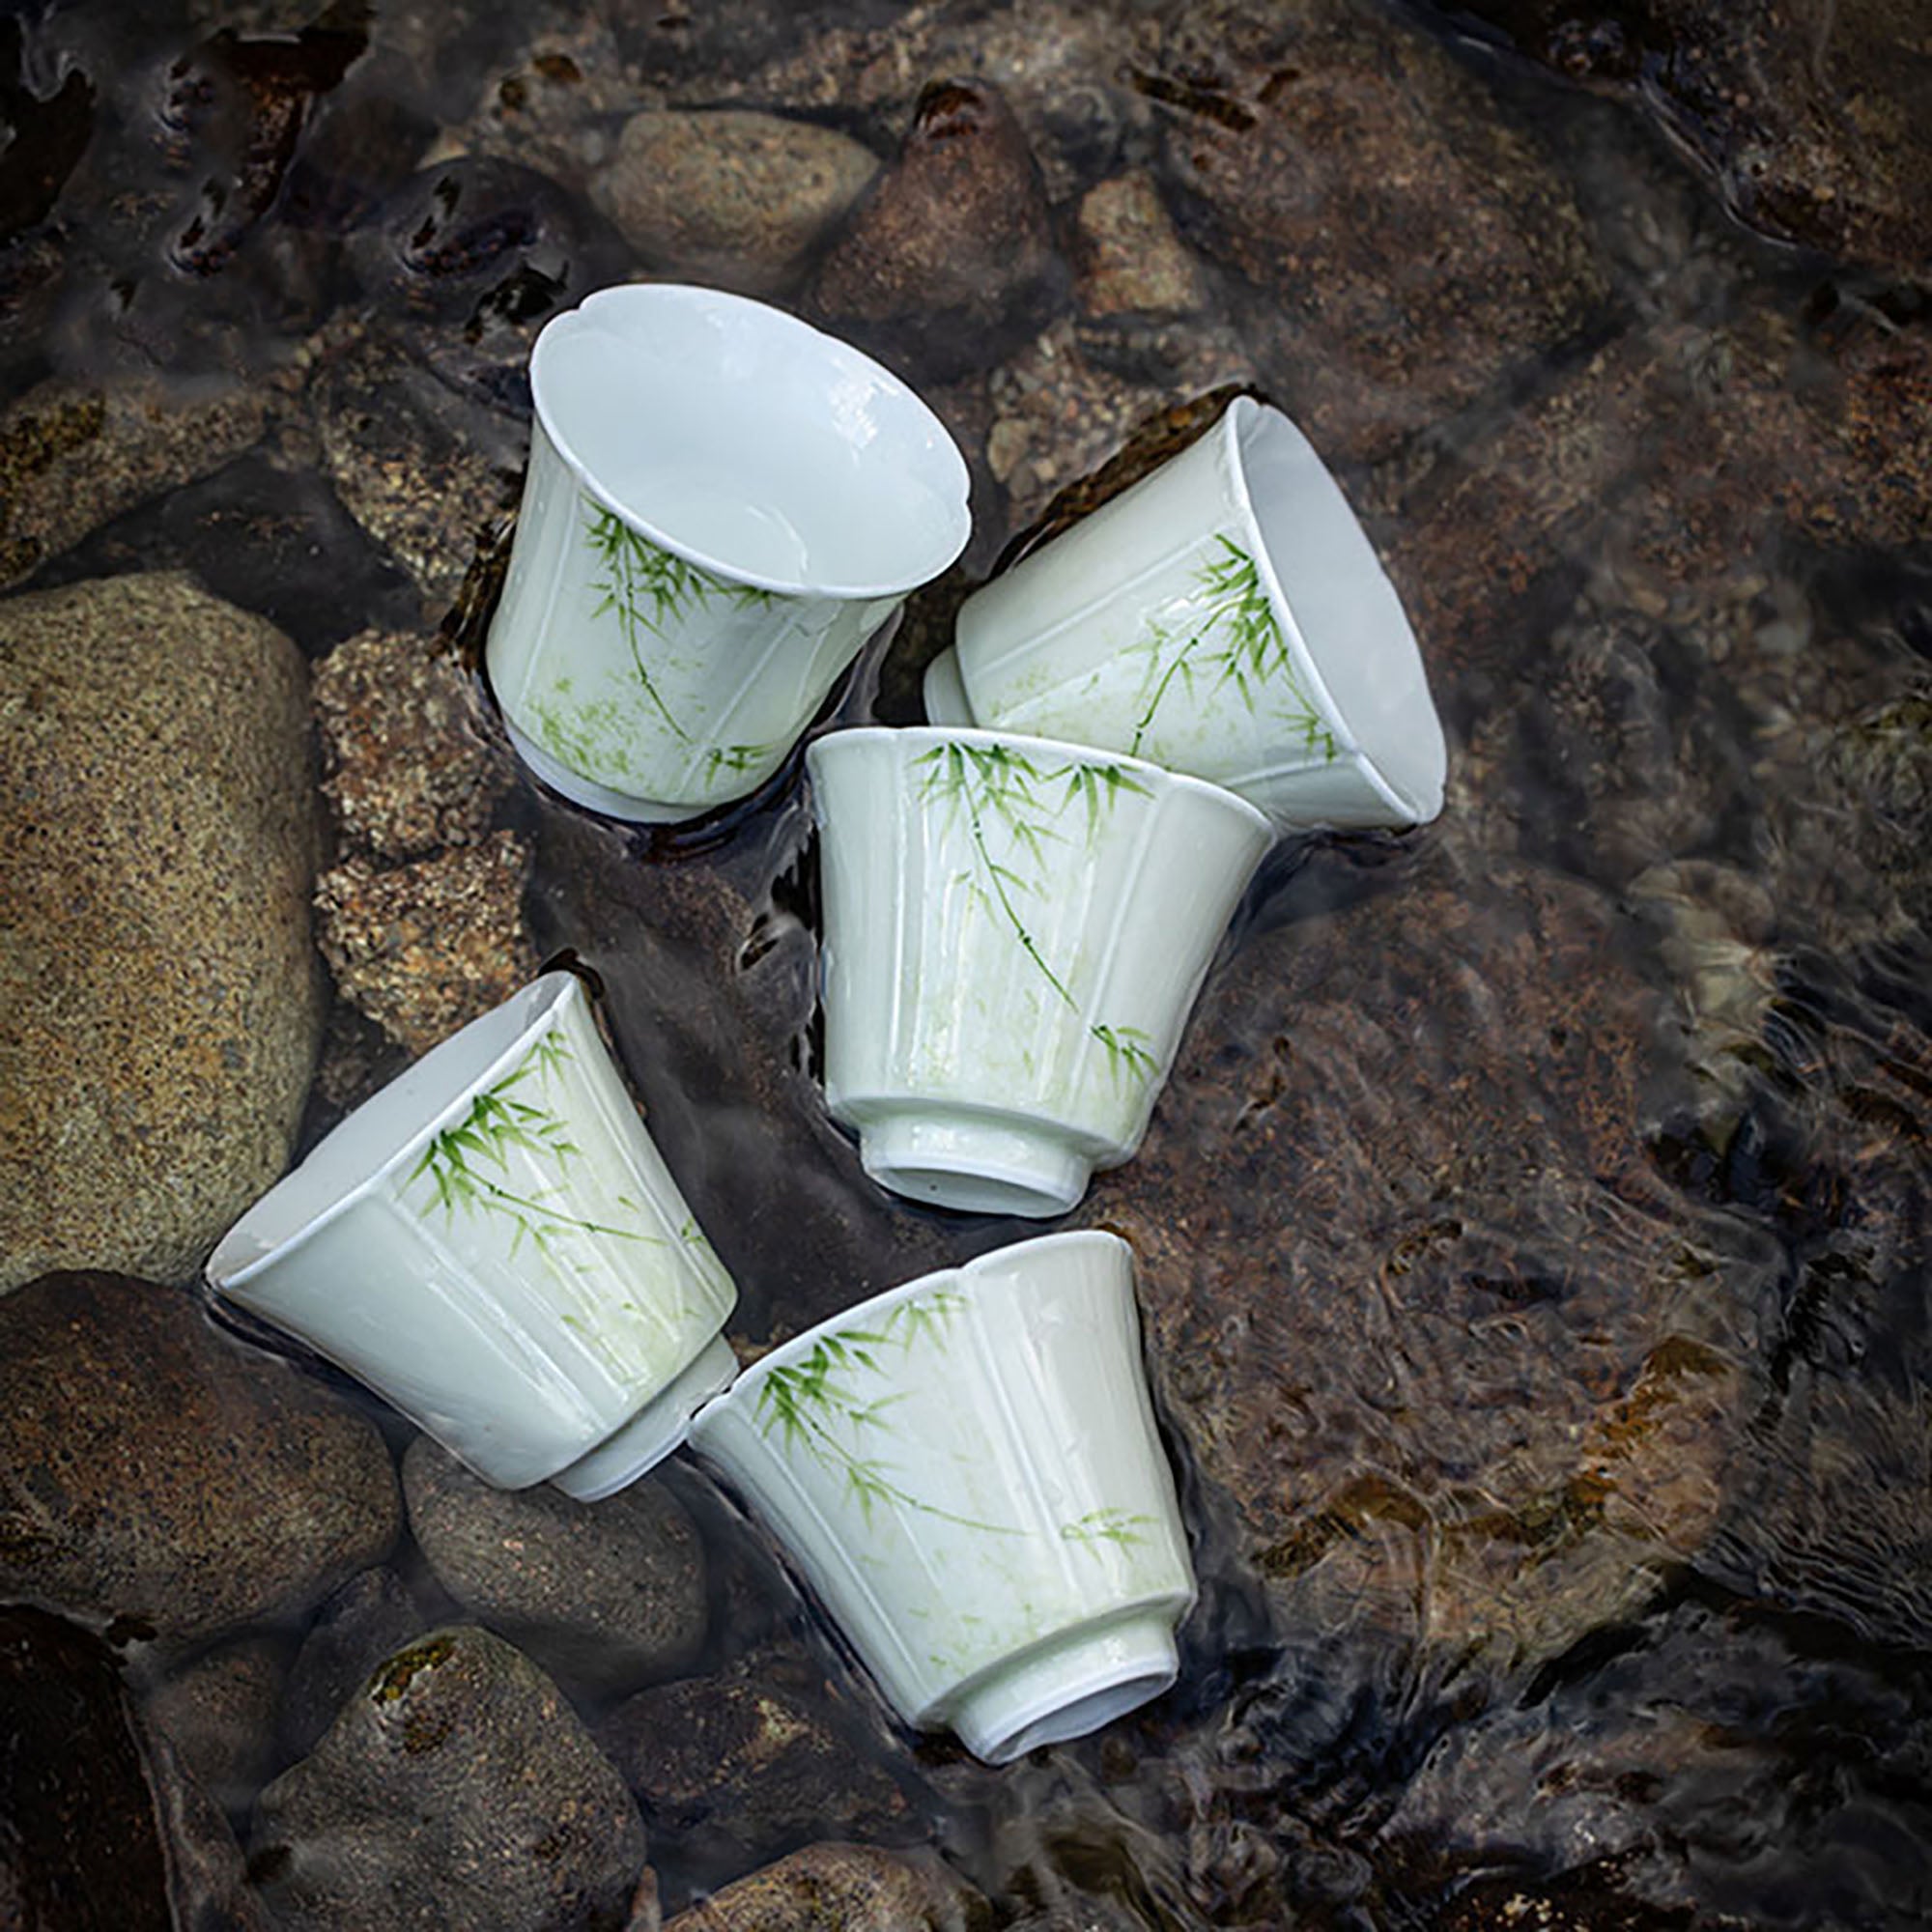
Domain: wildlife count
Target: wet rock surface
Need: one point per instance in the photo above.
(158, 1474)
(219, 1713)
(160, 999)
(455, 1789)
(372, 1616)
(752, 1762)
(733, 197)
(850, 1885)
(612, 1592)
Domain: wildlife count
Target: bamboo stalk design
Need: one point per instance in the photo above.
(994, 784)
(648, 590)
(1235, 639)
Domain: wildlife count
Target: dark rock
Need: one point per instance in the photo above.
(424, 469)
(1814, 126)
(74, 455)
(950, 260)
(98, 1827)
(750, 1764)
(456, 1790)
(1407, 250)
(733, 198)
(371, 1618)
(425, 947)
(162, 999)
(614, 1591)
(219, 1712)
(1501, 1372)
(405, 761)
(852, 1887)
(154, 1472)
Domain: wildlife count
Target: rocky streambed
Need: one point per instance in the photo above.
(1533, 1237)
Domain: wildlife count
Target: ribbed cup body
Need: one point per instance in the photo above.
(1177, 625)
(1014, 934)
(967, 1472)
(644, 674)
(505, 1256)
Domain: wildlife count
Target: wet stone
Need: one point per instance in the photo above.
(369, 1618)
(155, 1472)
(153, 787)
(855, 1888)
(1405, 247)
(404, 761)
(1502, 1373)
(751, 1762)
(425, 947)
(456, 1790)
(1130, 258)
(952, 254)
(219, 1712)
(612, 1592)
(734, 198)
(74, 455)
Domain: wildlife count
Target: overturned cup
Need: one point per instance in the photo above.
(1014, 934)
(1226, 617)
(966, 1470)
(493, 1244)
(722, 504)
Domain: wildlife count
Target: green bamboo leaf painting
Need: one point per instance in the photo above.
(1233, 637)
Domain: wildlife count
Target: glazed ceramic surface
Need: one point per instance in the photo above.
(1014, 934)
(495, 1245)
(967, 1472)
(1224, 616)
(723, 504)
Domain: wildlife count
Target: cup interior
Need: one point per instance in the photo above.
(751, 443)
(1331, 582)
(386, 1129)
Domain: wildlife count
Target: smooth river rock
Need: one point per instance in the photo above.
(735, 199)
(160, 997)
(614, 1591)
(155, 1471)
(854, 1888)
(457, 1790)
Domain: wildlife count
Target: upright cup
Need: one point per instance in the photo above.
(722, 504)
(1226, 617)
(1014, 934)
(967, 1472)
(493, 1244)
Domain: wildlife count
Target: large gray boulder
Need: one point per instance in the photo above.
(159, 1000)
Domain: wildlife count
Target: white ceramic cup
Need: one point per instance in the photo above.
(1226, 617)
(494, 1244)
(1014, 934)
(722, 504)
(967, 1472)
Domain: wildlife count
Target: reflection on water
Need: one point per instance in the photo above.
(1534, 1237)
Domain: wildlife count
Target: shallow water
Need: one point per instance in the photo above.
(1668, 558)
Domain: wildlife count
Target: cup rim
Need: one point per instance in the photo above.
(551, 996)
(630, 295)
(1367, 759)
(787, 1354)
(977, 734)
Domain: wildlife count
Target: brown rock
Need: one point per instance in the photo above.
(159, 1003)
(154, 1471)
(1130, 258)
(219, 1712)
(457, 1791)
(425, 947)
(405, 761)
(736, 198)
(852, 1887)
(72, 456)
(614, 1591)
(1407, 247)
(952, 254)
(1498, 1373)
